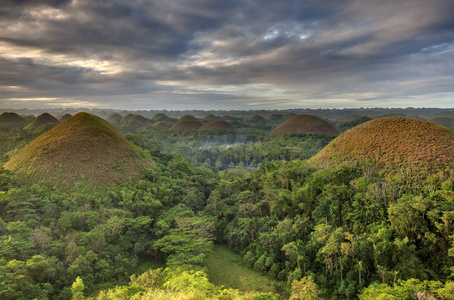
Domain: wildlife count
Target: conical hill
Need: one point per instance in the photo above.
(306, 124)
(41, 120)
(217, 125)
(65, 117)
(137, 121)
(159, 117)
(85, 146)
(10, 117)
(186, 123)
(394, 141)
(114, 119)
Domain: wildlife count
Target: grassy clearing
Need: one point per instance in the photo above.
(224, 268)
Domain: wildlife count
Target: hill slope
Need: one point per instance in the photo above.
(306, 124)
(393, 140)
(84, 145)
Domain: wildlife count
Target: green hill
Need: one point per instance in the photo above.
(84, 146)
(65, 117)
(41, 120)
(137, 121)
(159, 117)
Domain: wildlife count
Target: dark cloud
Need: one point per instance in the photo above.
(233, 53)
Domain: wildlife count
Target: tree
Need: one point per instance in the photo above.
(305, 289)
(77, 289)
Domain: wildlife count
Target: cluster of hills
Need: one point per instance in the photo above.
(87, 145)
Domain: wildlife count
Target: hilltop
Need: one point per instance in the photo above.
(306, 124)
(159, 117)
(65, 117)
(217, 125)
(83, 146)
(186, 123)
(137, 121)
(114, 119)
(393, 140)
(41, 120)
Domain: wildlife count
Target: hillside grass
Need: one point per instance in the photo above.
(224, 267)
(306, 124)
(393, 141)
(83, 148)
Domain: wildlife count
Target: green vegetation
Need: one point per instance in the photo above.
(227, 214)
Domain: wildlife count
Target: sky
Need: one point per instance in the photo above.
(226, 54)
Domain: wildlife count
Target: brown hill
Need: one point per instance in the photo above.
(41, 120)
(393, 141)
(65, 117)
(137, 121)
(159, 117)
(186, 123)
(83, 146)
(161, 125)
(274, 117)
(217, 125)
(10, 117)
(126, 118)
(306, 124)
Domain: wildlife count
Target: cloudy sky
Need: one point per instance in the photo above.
(226, 54)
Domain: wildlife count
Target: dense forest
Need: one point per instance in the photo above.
(337, 229)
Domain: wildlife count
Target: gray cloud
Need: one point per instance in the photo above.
(226, 54)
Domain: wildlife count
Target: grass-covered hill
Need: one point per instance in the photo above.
(161, 125)
(10, 117)
(393, 140)
(126, 119)
(217, 125)
(306, 124)
(137, 121)
(346, 118)
(114, 119)
(65, 117)
(84, 146)
(41, 120)
(159, 117)
(210, 117)
(274, 117)
(186, 123)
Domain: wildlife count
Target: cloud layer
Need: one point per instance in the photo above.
(230, 54)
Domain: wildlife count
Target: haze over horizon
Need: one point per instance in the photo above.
(202, 54)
